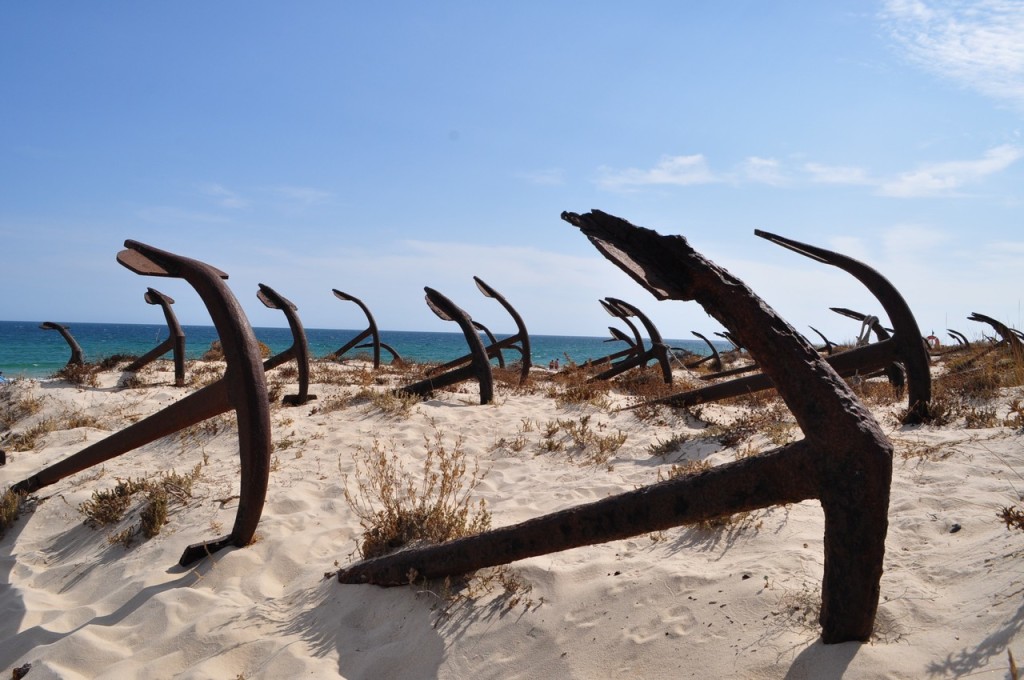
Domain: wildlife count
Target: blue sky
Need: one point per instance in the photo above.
(381, 147)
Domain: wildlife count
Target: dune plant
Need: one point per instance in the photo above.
(396, 510)
(82, 375)
(109, 506)
(10, 508)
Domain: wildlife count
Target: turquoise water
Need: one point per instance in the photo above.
(26, 350)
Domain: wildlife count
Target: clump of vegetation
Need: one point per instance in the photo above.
(671, 445)
(107, 507)
(582, 438)
(111, 362)
(391, 402)
(331, 403)
(395, 511)
(16, 405)
(574, 387)
(645, 384)
(10, 508)
(83, 375)
(216, 351)
(1013, 516)
(28, 439)
(203, 373)
(765, 416)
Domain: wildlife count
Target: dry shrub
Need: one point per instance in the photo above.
(10, 507)
(27, 440)
(573, 387)
(582, 439)
(390, 402)
(645, 383)
(770, 419)
(508, 378)
(203, 373)
(16, 405)
(111, 362)
(331, 403)
(107, 507)
(1013, 516)
(395, 510)
(327, 372)
(83, 375)
(216, 351)
(667, 447)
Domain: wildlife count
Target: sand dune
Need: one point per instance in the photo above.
(737, 600)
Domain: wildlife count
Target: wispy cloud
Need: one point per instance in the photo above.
(837, 174)
(547, 177)
(945, 178)
(978, 44)
(764, 171)
(305, 196)
(948, 177)
(224, 197)
(670, 170)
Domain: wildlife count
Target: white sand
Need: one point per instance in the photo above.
(738, 602)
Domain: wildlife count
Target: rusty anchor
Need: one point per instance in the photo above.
(243, 388)
(77, 358)
(658, 350)
(496, 352)
(175, 339)
(299, 349)
(829, 345)
(1008, 335)
(519, 341)
(870, 324)
(634, 345)
(904, 346)
(715, 358)
(844, 461)
(370, 332)
(960, 338)
(479, 366)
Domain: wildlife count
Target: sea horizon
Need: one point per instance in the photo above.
(26, 350)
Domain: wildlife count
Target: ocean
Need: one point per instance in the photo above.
(26, 350)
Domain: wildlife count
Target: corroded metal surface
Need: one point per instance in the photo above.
(371, 332)
(175, 341)
(845, 460)
(870, 324)
(905, 345)
(1009, 337)
(829, 345)
(519, 341)
(479, 366)
(715, 358)
(640, 356)
(77, 358)
(242, 388)
(299, 349)
(960, 338)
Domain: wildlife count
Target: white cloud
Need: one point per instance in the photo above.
(670, 170)
(935, 179)
(547, 177)
(303, 195)
(764, 171)
(946, 178)
(976, 43)
(224, 197)
(836, 174)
